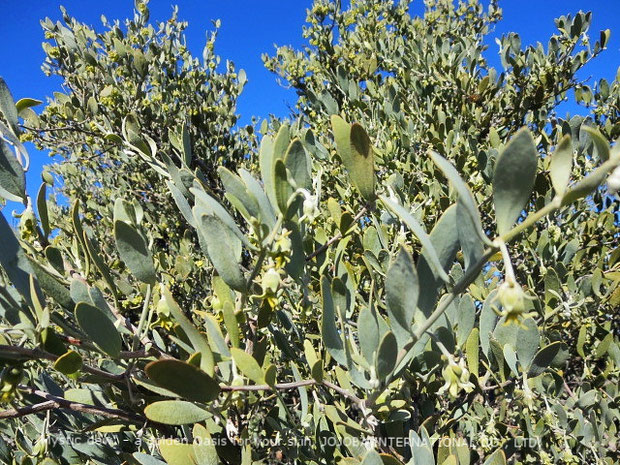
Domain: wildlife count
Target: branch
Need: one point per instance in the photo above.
(31, 409)
(53, 402)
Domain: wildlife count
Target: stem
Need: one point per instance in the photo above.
(508, 269)
(53, 402)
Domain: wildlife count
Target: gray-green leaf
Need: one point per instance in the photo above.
(175, 412)
(513, 181)
(561, 165)
(133, 250)
(99, 328)
(12, 178)
(356, 152)
(401, 287)
(221, 253)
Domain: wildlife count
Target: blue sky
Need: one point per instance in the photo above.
(250, 28)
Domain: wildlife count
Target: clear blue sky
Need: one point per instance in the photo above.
(250, 28)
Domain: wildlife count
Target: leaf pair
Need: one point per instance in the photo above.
(285, 166)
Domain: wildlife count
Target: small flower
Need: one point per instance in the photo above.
(456, 376)
(310, 206)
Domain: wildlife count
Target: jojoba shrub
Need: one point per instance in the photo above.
(419, 266)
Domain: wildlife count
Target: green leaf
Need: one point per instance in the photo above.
(270, 151)
(12, 177)
(182, 203)
(368, 332)
(183, 379)
(68, 363)
(465, 196)
(386, 356)
(488, 321)
(511, 358)
(561, 165)
(99, 263)
(497, 458)
(212, 207)
(329, 331)
(42, 209)
(588, 184)
(355, 150)
(7, 107)
(267, 214)
(230, 321)
(196, 338)
(133, 250)
(416, 228)
(600, 143)
(266, 162)
(236, 188)
(372, 458)
(283, 190)
(26, 102)
(175, 412)
(543, 358)
(444, 238)
(402, 289)
(513, 181)
(421, 448)
(298, 164)
(204, 447)
(527, 341)
(54, 257)
(472, 352)
(99, 328)
(472, 246)
(144, 459)
(175, 452)
(221, 253)
(248, 365)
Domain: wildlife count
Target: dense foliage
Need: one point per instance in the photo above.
(420, 266)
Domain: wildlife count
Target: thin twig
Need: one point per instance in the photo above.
(53, 402)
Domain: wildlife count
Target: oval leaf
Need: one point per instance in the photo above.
(134, 251)
(248, 365)
(561, 165)
(513, 181)
(543, 359)
(183, 379)
(386, 356)
(12, 177)
(221, 253)
(68, 363)
(175, 412)
(355, 150)
(99, 328)
(402, 289)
